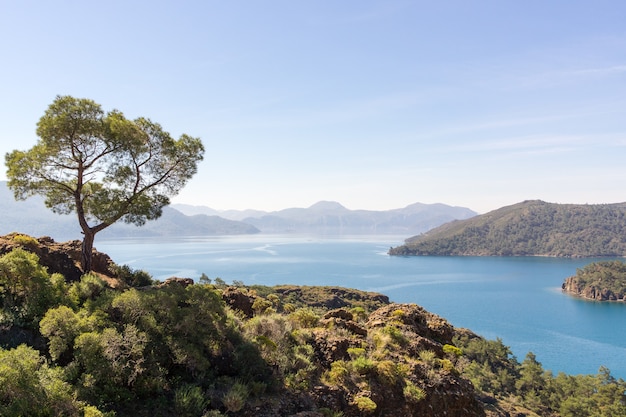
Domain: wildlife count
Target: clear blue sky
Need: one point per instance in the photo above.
(375, 104)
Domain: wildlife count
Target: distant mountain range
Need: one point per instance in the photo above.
(330, 218)
(530, 228)
(33, 218)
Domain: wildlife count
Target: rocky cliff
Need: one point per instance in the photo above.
(598, 281)
(591, 292)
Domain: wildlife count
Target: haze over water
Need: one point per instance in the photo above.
(516, 299)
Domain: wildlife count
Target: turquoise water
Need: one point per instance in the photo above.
(516, 299)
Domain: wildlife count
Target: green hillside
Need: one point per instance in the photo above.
(116, 343)
(530, 228)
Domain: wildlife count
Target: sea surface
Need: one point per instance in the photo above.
(516, 299)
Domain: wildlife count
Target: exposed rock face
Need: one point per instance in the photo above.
(331, 297)
(590, 292)
(184, 282)
(339, 330)
(447, 394)
(63, 257)
(237, 300)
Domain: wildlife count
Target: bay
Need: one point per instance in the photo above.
(517, 299)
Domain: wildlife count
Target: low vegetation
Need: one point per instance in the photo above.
(530, 228)
(145, 348)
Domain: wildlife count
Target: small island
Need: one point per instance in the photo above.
(599, 281)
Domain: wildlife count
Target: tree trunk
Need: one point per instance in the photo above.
(87, 250)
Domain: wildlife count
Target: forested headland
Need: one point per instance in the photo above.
(115, 342)
(599, 281)
(530, 228)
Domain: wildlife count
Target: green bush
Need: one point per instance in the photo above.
(395, 334)
(363, 365)
(388, 372)
(337, 373)
(365, 404)
(413, 393)
(132, 277)
(235, 399)
(25, 240)
(29, 387)
(305, 317)
(189, 401)
(452, 350)
(89, 287)
(26, 291)
(356, 352)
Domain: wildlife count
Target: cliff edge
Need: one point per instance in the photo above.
(598, 281)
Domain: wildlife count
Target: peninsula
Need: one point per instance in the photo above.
(599, 281)
(529, 228)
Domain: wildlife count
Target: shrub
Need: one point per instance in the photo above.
(235, 399)
(388, 372)
(25, 240)
(356, 352)
(452, 350)
(327, 412)
(429, 358)
(213, 413)
(25, 288)
(29, 387)
(337, 373)
(363, 365)
(132, 277)
(305, 317)
(60, 326)
(413, 393)
(359, 313)
(189, 400)
(447, 365)
(261, 306)
(91, 411)
(88, 288)
(395, 334)
(365, 404)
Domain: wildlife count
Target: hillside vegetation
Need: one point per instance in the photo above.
(530, 228)
(116, 343)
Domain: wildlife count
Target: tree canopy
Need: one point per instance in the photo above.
(102, 166)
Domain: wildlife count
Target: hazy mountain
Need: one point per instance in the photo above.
(191, 210)
(329, 217)
(33, 218)
(529, 228)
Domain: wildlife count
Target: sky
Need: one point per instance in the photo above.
(373, 104)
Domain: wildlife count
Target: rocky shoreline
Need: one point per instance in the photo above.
(572, 287)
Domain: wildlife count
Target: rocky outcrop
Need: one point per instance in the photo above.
(446, 392)
(238, 300)
(395, 337)
(590, 292)
(331, 297)
(57, 257)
